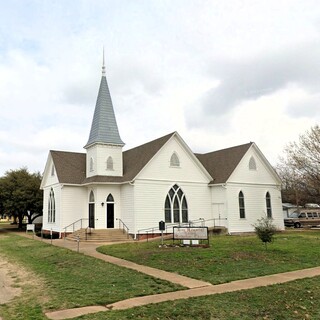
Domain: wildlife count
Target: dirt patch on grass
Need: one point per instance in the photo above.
(8, 273)
(12, 279)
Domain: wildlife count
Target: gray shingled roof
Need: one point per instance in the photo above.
(220, 164)
(104, 127)
(71, 167)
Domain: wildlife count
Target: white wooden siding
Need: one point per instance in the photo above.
(255, 206)
(102, 192)
(127, 206)
(262, 175)
(159, 167)
(74, 205)
(149, 200)
(100, 154)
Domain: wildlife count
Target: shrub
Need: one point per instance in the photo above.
(265, 230)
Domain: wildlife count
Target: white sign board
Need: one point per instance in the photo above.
(190, 233)
(30, 227)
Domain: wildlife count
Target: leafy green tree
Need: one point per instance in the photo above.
(265, 230)
(20, 195)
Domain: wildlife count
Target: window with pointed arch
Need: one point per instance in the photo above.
(51, 207)
(109, 163)
(242, 209)
(268, 205)
(110, 198)
(174, 160)
(91, 197)
(176, 207)
(52, 170)
(91, 164)
(252, 164)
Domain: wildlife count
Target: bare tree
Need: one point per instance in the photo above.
(300, 169)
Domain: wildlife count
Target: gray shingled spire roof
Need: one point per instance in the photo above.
(104, 127)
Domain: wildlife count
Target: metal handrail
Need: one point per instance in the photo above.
(124, 227)
(201, 221)
(73, 225)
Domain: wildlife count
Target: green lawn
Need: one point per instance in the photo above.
(69, 279)
(229, 257)
(65, 279)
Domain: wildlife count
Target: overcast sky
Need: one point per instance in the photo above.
(221, 73)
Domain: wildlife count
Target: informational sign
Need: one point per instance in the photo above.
(190, 233)
(30, 227)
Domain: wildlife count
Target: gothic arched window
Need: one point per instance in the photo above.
(174, 160)
(242, 210)
(268, 205)
(51, 207)
(175, 206)
(252, 164)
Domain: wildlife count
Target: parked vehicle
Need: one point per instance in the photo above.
(309, 217)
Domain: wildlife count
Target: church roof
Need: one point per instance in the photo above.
(104, 127)
(220, 164)
(71, 167)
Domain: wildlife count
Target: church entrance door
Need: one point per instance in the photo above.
(91, 215)
(110, 215)
(110, 211)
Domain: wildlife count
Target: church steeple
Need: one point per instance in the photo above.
(104, 129)
(104, 147)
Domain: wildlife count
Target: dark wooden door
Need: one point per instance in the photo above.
(110, 215)
(91, 215)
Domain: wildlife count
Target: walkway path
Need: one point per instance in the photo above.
(196, 288)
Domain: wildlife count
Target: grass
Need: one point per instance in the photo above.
(69, 279)
(229, 257)
(66, 279)
(295, 300)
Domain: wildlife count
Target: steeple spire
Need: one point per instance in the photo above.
(104, 129)
(103, 65)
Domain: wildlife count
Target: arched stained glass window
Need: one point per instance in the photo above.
(110, 163)
(268, 205)
(174, 160)
(176, 207)
(51, 207)
(241, 205)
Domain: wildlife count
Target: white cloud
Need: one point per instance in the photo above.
(220, 73)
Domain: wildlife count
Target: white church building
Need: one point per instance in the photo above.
(161, 180)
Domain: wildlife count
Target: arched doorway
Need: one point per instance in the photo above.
(110, 211)
(91, 210)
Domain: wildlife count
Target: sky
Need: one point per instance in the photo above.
(220, 73)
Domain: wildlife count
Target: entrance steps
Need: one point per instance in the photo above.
(100, 235)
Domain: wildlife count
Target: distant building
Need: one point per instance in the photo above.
(160, 180)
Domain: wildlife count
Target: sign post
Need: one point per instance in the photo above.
(162, 227)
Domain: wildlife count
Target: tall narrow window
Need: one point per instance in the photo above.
(91, 164)
(252, 164)
(174, 160)
(268, 205)
(52, 170)
(91, 210)
(176, 207)
(51, 207)
(110, 163)
(241, 205)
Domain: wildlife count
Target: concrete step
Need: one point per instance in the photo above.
(100, 235)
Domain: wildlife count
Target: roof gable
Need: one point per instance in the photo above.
(220, 164)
